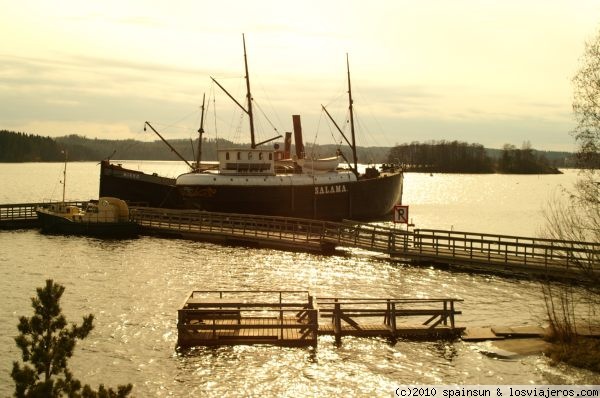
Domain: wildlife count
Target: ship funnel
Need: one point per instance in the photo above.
(298, 136)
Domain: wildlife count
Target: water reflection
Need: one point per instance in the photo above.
(135, 288)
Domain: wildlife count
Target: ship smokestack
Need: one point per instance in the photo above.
(287, 145)
(298, 136)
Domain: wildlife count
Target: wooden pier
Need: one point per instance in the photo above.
(389, 317)
(501, 254)
(292, 318)
(227, 228)
(283, 318)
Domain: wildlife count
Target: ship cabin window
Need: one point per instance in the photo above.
(239, 156)
(226, 155)
(260, 156)
(270, 156)
(249, 155)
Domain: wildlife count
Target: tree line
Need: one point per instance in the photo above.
(433, 156)
(22, 147)
(462, 157)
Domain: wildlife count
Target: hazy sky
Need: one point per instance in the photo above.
(490, 72)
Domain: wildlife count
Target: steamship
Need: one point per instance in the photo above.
(262, 181)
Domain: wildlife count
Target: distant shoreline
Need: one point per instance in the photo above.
(430, 157)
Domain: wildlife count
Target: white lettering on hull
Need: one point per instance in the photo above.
(330, 189)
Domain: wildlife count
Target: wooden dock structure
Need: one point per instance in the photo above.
(389, 317)
(503, 254)
(228, 317)
(470, 251)
(292, 318)
(228, 228)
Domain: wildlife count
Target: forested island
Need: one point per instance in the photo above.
(434, 156)
(461, 157)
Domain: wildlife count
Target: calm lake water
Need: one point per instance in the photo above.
(134, 288)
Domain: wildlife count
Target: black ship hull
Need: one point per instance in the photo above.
(364, 199)
(367, 199)
(138, 188)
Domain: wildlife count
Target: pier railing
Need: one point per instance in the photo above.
(393, 313)
(248, 317)
(483, 251)
(489, 248)
(368, 236)
(290, 231)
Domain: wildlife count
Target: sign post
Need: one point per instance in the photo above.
(401, 214)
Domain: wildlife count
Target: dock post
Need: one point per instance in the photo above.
(393, 320)
(452, 314)
(445, 312)
(337, 322)
(386, 318)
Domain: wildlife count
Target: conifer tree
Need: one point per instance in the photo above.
(46, 343)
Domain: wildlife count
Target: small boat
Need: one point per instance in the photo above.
(319, 165)
(105, 217)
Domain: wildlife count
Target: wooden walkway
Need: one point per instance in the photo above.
(292, 318)
(508, 255)
(503, 254)
(512, 255)
(258, 231)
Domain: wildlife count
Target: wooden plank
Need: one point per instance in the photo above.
(519, 331)
(480, 334)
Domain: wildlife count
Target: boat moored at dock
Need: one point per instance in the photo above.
(106, 217)
(263, 181)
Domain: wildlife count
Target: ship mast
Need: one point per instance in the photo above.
(353, 137)
(64, 177)
(200, 132)
(351, 108)
(249, 96)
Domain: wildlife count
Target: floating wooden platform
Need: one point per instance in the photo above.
(295, 318)
(284, 318)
